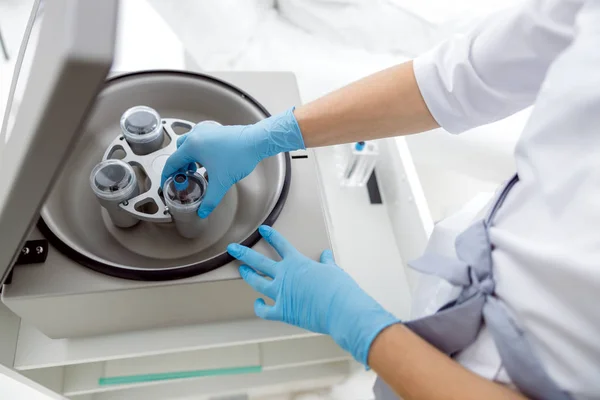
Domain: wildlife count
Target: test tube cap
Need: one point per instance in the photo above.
(113, 180)
(141, 124)
(184, 191)
(180, 181)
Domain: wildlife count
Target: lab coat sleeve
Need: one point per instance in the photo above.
(498, 68)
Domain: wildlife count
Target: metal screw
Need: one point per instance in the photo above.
(39, 249)
(25, 250)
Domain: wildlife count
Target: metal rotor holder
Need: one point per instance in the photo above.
(151, 164)
(72, 220)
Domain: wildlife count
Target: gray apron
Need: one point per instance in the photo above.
(456, 325)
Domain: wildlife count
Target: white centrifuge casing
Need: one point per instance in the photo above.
(100, 279)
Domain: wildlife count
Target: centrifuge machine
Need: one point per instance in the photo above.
(67, 268)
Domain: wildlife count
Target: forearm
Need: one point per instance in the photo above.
(416, 370)
(388, 103)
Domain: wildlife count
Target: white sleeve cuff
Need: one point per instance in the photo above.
(442, 106)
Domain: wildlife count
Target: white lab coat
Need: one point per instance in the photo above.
(547, 235)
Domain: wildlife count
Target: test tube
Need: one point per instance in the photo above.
(183, 195)
(113, 182)
(359, 162)
(142, 128)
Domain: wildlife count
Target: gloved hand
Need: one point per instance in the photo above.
(318, 296)
(230, 153)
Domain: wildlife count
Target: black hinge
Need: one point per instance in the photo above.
(33, 252)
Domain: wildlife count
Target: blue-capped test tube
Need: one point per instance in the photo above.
(183, 195)
(358, 163)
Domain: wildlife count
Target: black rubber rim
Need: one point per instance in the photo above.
(187, 270)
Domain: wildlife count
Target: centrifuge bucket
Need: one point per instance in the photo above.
(76, 225)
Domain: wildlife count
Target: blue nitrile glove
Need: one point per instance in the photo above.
(318, 296)
(230, 153)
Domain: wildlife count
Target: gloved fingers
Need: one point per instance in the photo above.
(276, 239)
(327, 257)
(181, 139)
(253, 259)
(262, 310)
(189, 167)
(259, 283)
(214, 194)
(179, 159)
(192, 167)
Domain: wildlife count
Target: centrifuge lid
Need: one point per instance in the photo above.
(74, 52)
